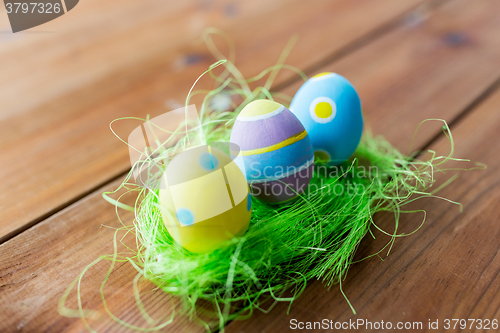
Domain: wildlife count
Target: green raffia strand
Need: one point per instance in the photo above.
(314, 237)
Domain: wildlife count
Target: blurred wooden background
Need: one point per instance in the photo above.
(62, 83)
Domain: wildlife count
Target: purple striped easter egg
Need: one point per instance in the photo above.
(276, 151)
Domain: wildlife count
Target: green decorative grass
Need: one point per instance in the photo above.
(313, 237)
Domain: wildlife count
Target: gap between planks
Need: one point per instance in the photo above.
(490, 91)
(354, 46)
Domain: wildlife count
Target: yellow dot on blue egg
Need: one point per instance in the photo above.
(323, 110)
(185, 216)
(322, 74)
(321, 156)
(208, 161)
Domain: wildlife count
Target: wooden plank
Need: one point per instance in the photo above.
(50, 255)
(18, 289)
(449, 269)
(432, 66)
(111, 59)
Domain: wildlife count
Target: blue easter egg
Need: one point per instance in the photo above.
(330, 109)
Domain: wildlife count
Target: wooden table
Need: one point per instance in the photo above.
(63, 82)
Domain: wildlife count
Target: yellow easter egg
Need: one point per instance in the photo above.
(205, 198)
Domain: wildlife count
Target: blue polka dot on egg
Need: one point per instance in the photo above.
(208, 161)
(185, 216)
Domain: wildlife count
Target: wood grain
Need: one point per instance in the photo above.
(68, 241)
(106, 60)
(448, 269)
(432, 66)
(52, 254)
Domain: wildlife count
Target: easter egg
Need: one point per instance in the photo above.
(276, 151)
(330, 110)
(204, 198)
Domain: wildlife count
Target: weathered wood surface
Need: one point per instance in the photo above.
(434, 63)
(432, 66)
(45, 259)
(60, 88)
(448, 269)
